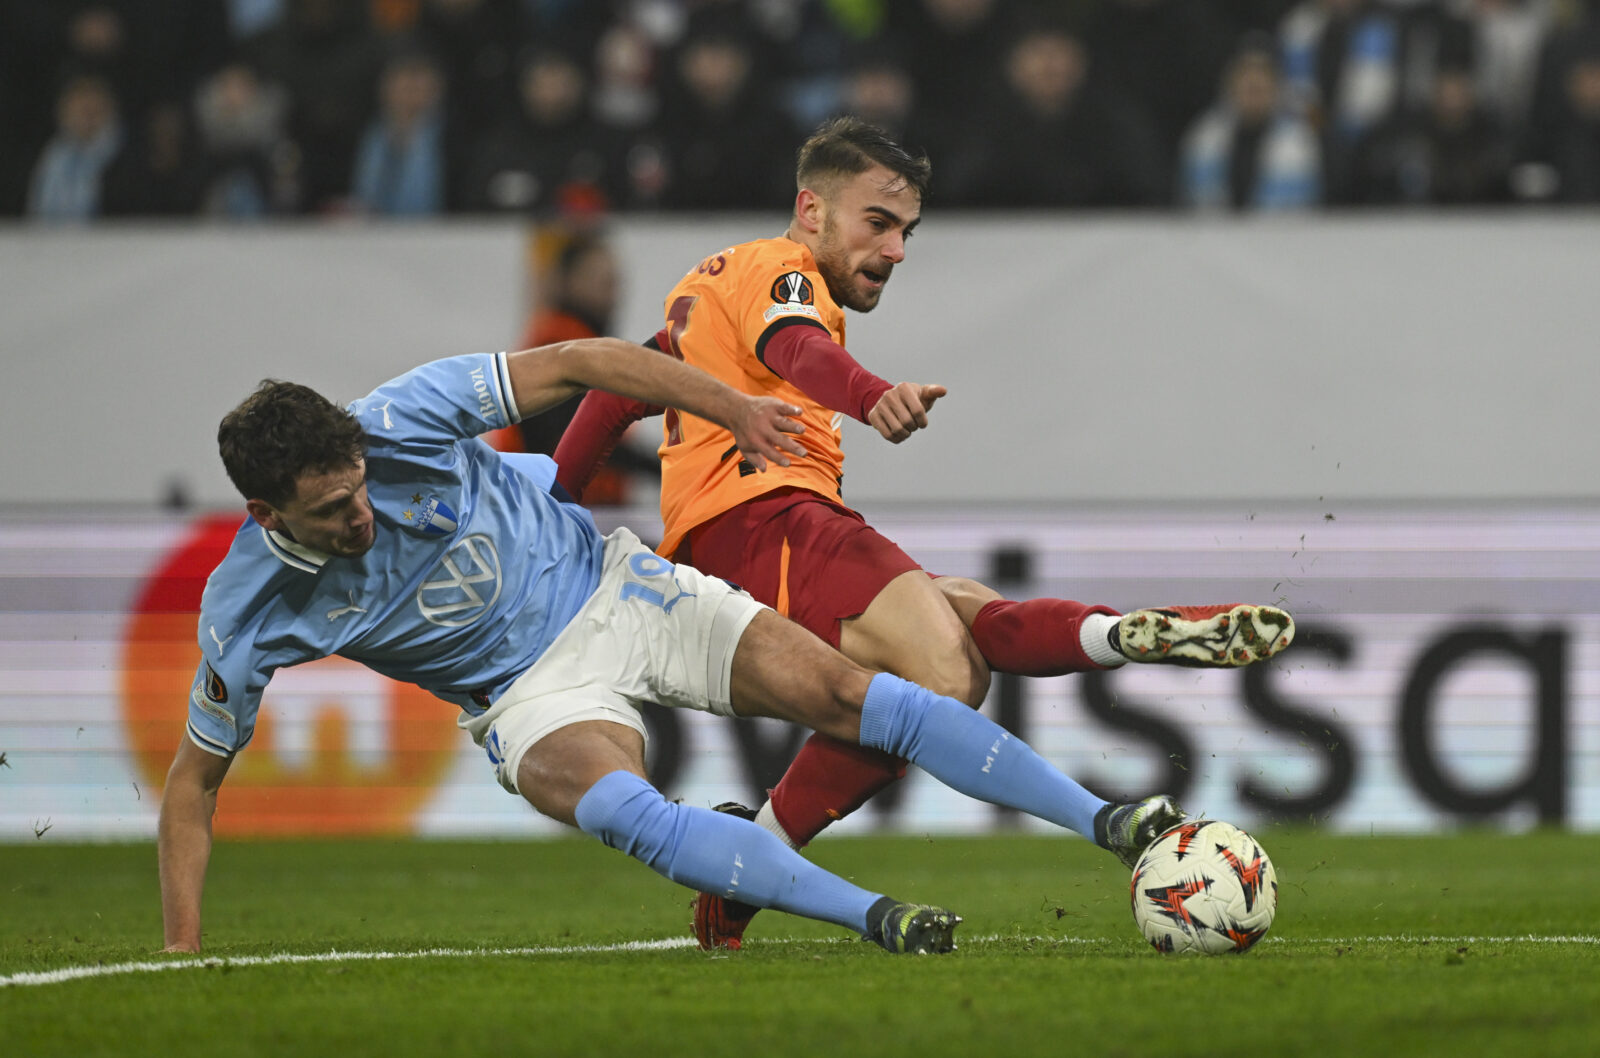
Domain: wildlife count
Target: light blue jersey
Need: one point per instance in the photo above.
(474, 570)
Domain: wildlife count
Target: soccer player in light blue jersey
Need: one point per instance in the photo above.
(389, 534)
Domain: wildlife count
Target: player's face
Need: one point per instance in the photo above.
(863, 236)
(330, 512)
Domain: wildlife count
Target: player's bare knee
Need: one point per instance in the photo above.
(965, 683)
(950, 665)
(829, 700)
(842, 718)
(845, 686)
(781, 670)
(965, 596)
(557, 770)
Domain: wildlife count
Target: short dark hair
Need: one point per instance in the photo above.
(848, 146)
(282, 431)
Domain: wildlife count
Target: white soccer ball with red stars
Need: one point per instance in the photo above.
(1204, 886)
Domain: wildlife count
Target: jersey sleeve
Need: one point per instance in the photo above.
(225, 695)
(441, 402)
(824, 371)
(778, 296)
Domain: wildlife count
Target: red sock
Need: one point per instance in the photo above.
(828, 780)
(1034, 637)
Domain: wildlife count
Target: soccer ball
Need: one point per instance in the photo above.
(1204, 886)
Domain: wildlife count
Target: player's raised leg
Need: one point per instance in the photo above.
(1054, 637)
(946, 633)
(591, 775)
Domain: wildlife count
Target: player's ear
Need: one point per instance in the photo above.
(808, 210)
(264, 514)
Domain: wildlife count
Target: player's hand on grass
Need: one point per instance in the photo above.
(903, 410)
(762, 430)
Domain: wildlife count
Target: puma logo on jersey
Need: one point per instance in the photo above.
(334, 615)
(221, 643)
(668, 604)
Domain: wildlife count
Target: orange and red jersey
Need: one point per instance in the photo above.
(759, 317)
(720, 317)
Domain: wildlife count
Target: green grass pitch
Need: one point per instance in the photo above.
(1472, 944)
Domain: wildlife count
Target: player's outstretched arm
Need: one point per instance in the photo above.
(548, 375)
(903, 410)
(184, 840)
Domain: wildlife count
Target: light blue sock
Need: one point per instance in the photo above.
(969, 752)
(716, 853)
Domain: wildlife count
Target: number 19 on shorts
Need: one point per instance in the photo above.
(663, 589)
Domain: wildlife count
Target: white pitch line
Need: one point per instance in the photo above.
(78, 973)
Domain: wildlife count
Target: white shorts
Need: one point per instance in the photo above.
(651, 632)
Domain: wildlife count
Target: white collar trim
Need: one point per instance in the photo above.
(293, 554)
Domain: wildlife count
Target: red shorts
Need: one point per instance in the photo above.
(813, 561)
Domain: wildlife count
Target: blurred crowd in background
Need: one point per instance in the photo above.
(408, 108)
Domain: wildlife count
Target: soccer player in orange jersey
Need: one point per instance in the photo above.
(767, 318)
